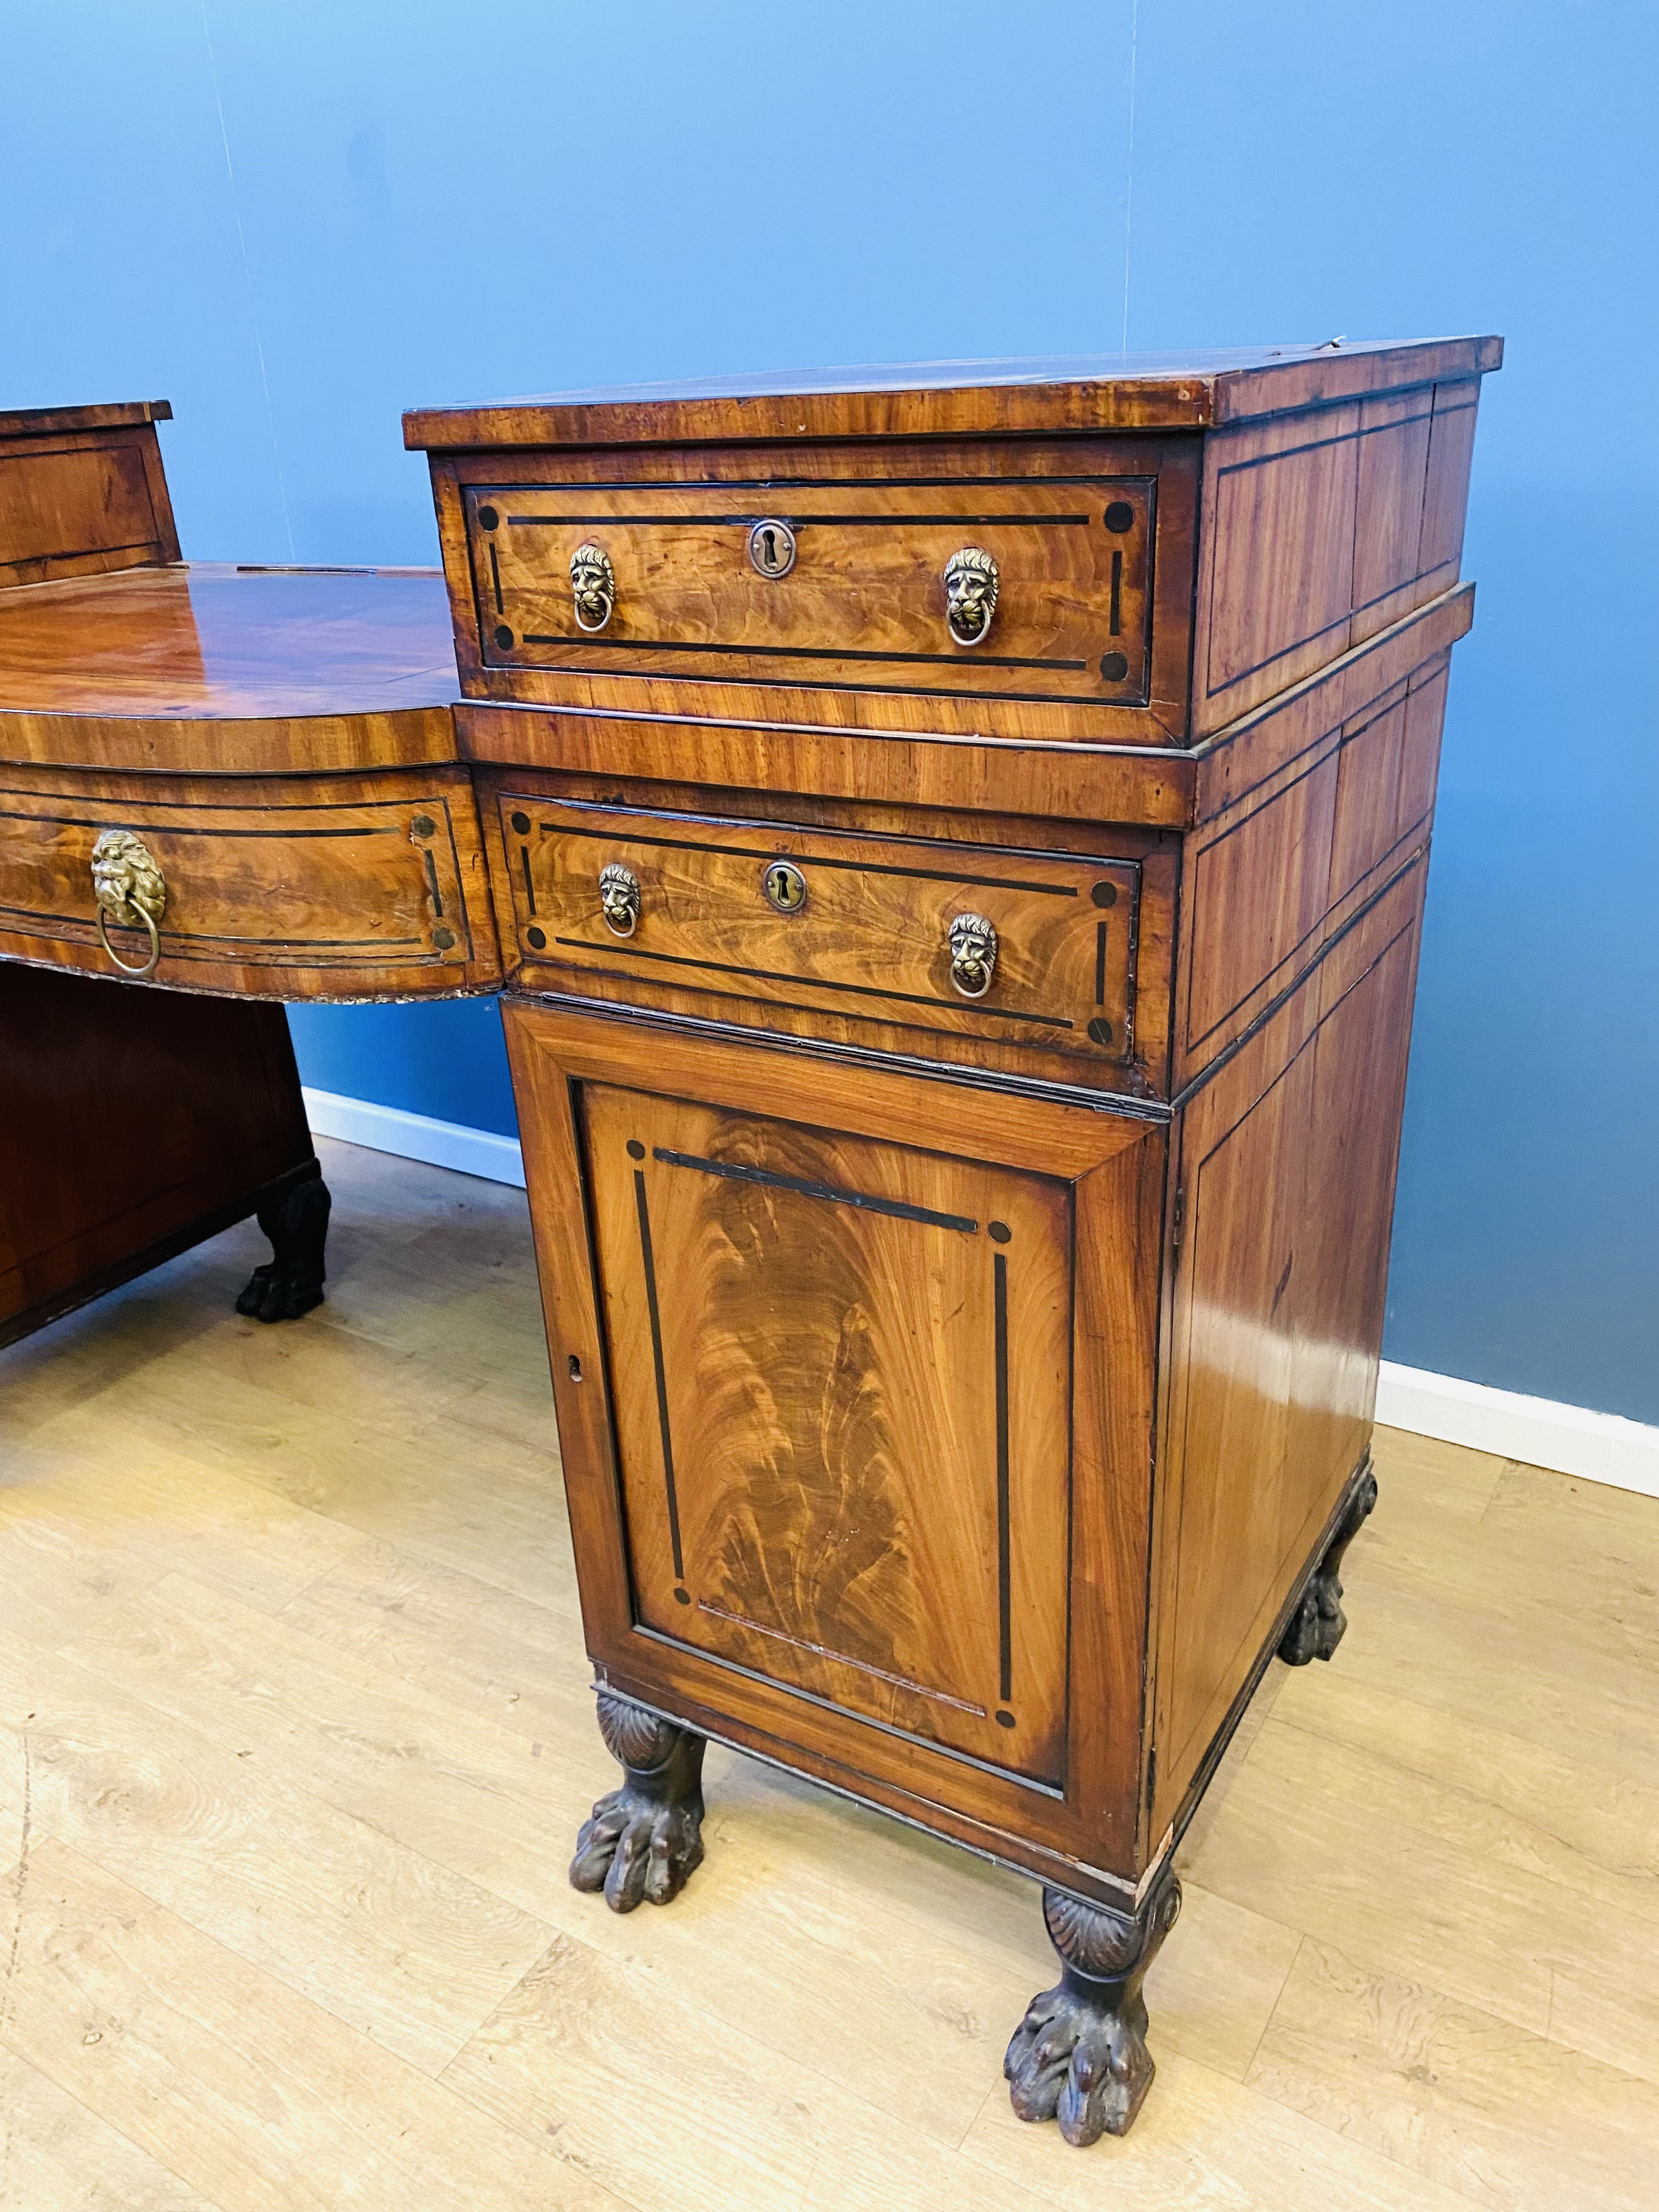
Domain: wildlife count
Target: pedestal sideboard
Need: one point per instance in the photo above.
(953, 840)
(958, 837)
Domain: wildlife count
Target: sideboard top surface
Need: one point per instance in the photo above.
(206, 641)
(60, 421)
(199, 666)
(1111, 392)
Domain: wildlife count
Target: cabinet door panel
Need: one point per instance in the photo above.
(843, 1378)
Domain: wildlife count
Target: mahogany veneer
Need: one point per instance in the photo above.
(964, 1389)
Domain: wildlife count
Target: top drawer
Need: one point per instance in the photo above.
(993, 580)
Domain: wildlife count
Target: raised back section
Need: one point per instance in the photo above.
(82, 491)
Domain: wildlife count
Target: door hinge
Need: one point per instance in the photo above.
(1152, 1777)
(1180, 1223)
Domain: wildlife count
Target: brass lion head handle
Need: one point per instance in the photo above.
(619, 899)
(970, 594)
(129, 892)
(973, 954)
(592, 585)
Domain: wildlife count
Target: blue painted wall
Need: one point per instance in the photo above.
(295, 219)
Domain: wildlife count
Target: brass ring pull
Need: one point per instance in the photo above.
(973, 954)
(127, 969)
(619, 899)
(130, 891)
(592, 586)
(970, 594)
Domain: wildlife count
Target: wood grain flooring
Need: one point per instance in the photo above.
(295, 1734)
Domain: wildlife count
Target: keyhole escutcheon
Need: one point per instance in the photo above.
(785, 886)
(772, 548)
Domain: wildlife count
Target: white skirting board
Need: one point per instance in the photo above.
(1597, 1447)
(415, 1137)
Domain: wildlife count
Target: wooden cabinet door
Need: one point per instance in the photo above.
(842, 1373)
(854, 1369)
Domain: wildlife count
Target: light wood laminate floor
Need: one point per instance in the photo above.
(295, 1734)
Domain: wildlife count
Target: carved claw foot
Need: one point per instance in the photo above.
(1079, 2055)
(291, 1282)
(1316, 1626)
(644, 1840)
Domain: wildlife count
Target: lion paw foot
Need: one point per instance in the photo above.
(275, 1293)
(1071, 2061)
(636, 1850)
(291, 1281)
(1319, 1624)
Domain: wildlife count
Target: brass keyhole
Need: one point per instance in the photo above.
(785, 886)
(772, 548)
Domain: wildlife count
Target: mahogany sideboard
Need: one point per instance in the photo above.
(227, 786)
(958, 837)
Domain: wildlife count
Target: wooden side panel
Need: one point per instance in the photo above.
(346, 887)
(1451, 450)
(1258, 886)
(1419, 745)
(1279, 530)
(1366, 819)
(136, 1122)
(83, 503)
(1320, 531)
(907, 1499)
(1274, 876)
(1393, 464)
(1286, 1172)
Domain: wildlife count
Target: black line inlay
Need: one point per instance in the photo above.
(432, 885)
(792, 652)
(799, 522)
(1100, 963)
(735, 1172)
(1005, 1605)
(769, 1004)
(186, 829)
(662, 1379)
(816, 859)
(529, 886)
(496, 577)
(1117, 593)
(772, 485)
(812, 983)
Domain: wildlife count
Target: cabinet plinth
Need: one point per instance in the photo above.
(958, 853)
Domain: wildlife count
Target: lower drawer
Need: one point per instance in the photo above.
(362, 887)
(989, 954)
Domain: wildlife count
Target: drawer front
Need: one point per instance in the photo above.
(864, 592)
(326, 888)
(843, 579)
(814, 931)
